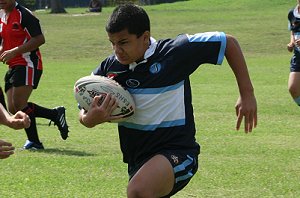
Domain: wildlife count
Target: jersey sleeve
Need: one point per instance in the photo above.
(188, 52)
(98, 71)
(31, 23)
(102, 68)
(290, 19)
(209, 47)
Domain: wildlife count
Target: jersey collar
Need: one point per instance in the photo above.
(149, 52)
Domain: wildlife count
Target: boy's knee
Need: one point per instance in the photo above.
(294, 91)
(136, 191)
(297, 100)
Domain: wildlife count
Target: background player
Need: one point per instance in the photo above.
(21, 36)
(294, 46)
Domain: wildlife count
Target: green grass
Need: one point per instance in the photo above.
(265, 163)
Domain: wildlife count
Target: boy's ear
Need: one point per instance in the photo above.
(146, 36)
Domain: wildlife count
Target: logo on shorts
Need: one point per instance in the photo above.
(175, 159)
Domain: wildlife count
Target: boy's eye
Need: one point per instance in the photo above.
(123, 42)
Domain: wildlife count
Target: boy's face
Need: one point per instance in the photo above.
(128, 47)
(7, 4)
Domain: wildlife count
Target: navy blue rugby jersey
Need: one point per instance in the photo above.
(294, 20)
(294, 26)
(161, 90)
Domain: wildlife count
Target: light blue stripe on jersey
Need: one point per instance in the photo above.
(157, 108)
(211, 37)
(182, 167)
(153, 127)
(155, 90)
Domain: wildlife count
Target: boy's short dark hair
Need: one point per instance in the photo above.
(128, 16)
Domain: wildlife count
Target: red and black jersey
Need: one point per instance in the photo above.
(17, 29)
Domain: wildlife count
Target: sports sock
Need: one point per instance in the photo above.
(2, 99)
(297, 100)
(43, 112)
(31, 132)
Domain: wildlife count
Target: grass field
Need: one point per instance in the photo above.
(265, 163)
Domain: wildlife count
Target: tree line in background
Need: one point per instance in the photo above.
(58, 6)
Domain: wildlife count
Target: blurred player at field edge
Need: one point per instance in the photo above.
(21, 36)
(294, 46)
(95, 6)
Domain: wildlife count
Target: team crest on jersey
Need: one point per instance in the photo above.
(155, 68)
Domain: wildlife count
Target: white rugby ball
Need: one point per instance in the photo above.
(86, 88)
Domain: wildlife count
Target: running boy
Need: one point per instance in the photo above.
(158, 141)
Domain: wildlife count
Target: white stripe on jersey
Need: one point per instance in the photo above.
(157, 107)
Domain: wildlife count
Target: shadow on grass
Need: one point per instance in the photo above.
(64, 152)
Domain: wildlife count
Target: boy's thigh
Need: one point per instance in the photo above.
(155, 178)
(167, 172)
